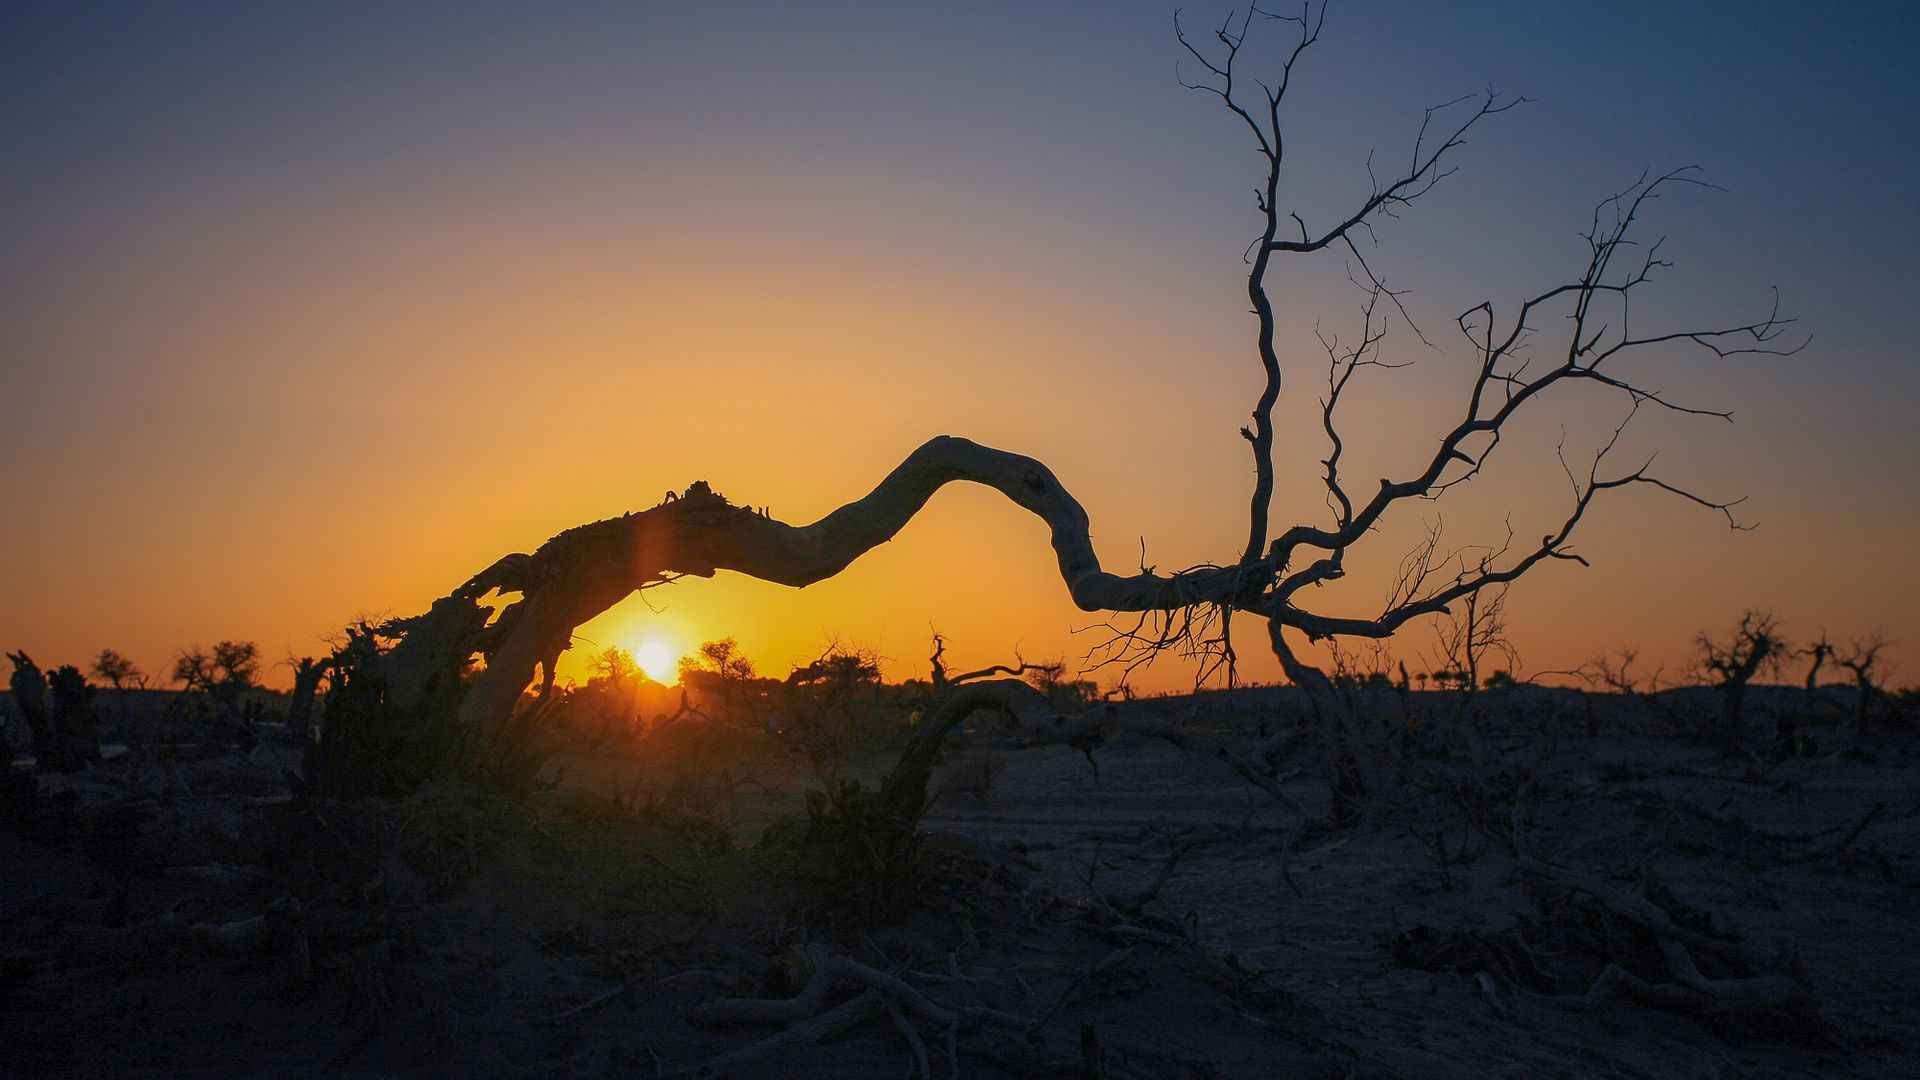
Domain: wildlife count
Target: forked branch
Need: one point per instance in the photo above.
(582, 572)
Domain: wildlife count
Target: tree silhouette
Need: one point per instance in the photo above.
(193, 670)
(1578, 330)
(1755, 645)
(120, 673)
(116, 670)
(1861, 657)
(719, 660)
(29, 689)
(75, 738)
(307, 672)
(1475, 629)
(236, 663)
(223, 674)
(1819, 652)
(616, 667)
(722, 675)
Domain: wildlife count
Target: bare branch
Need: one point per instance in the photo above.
(1554, 545)
(1501, 387)
(1423, 172)
(1267, 132)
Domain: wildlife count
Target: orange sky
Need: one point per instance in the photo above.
(261, 400)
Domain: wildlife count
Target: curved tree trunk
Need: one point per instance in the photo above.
(584, 571)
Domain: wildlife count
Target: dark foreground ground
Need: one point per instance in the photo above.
(203, 924)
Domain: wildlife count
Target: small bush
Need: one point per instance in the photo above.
(858, 861)
(370, 745)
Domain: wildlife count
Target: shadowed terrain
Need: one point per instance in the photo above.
(1124, 901)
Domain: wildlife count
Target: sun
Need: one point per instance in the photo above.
(658, 659)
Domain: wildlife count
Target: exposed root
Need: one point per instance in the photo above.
(915, 1043)
(840, 1018)
(1768, 984)
(807, 1019)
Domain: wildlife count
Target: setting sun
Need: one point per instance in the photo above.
(1060, 503)
(658, 659)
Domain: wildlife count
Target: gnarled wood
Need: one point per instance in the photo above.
(584, 571)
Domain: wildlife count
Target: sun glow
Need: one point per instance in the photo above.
(658, 659)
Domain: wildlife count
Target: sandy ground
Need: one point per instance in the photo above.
(466, 943)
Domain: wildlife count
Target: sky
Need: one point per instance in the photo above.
(308, 315)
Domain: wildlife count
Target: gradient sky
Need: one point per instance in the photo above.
(309, 315)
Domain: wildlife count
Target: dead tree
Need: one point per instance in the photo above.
(29, 689)
(1578, 331)
(120, 673)
(1754, 646)
(1861, 657)
(1018, 684)
(1608, 675)
(1474, 630)
(75, 735)
(1819, 652)
(307, 672)
(944, 682)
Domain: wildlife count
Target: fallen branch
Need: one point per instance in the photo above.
(915, 1043)
(1642, 912)
(806, 1022)
(1777, 986)
(840, 1018)
(828, 970)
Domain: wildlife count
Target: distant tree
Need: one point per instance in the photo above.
(944, 681)
(721, 658)
(1820, 652)
(838, 666)
(120, 673)
(825, 699)
(116, 670)
(609, 704)
(1754, 646)
(223, 674)
(1063, 691)
(723, 675)
(1861, 657)
(1474, 629)
(1604, 673)
(616, 667)
(236, 663)
(193, 670)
